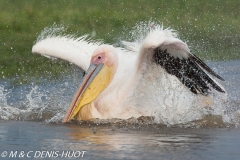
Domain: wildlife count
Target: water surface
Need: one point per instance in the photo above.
(31, 117)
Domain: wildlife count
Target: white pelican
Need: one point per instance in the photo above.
(157, 74)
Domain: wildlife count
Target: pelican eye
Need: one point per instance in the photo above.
(99, 57)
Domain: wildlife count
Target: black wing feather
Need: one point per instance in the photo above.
(202, 64)
(187, 71)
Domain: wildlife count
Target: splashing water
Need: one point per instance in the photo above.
(51, 31)
(49, 100)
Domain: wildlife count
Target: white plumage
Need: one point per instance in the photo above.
(144, 84)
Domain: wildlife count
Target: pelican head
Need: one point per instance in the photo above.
(99, 74)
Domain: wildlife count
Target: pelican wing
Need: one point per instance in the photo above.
(74, 50)
(175, 58)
